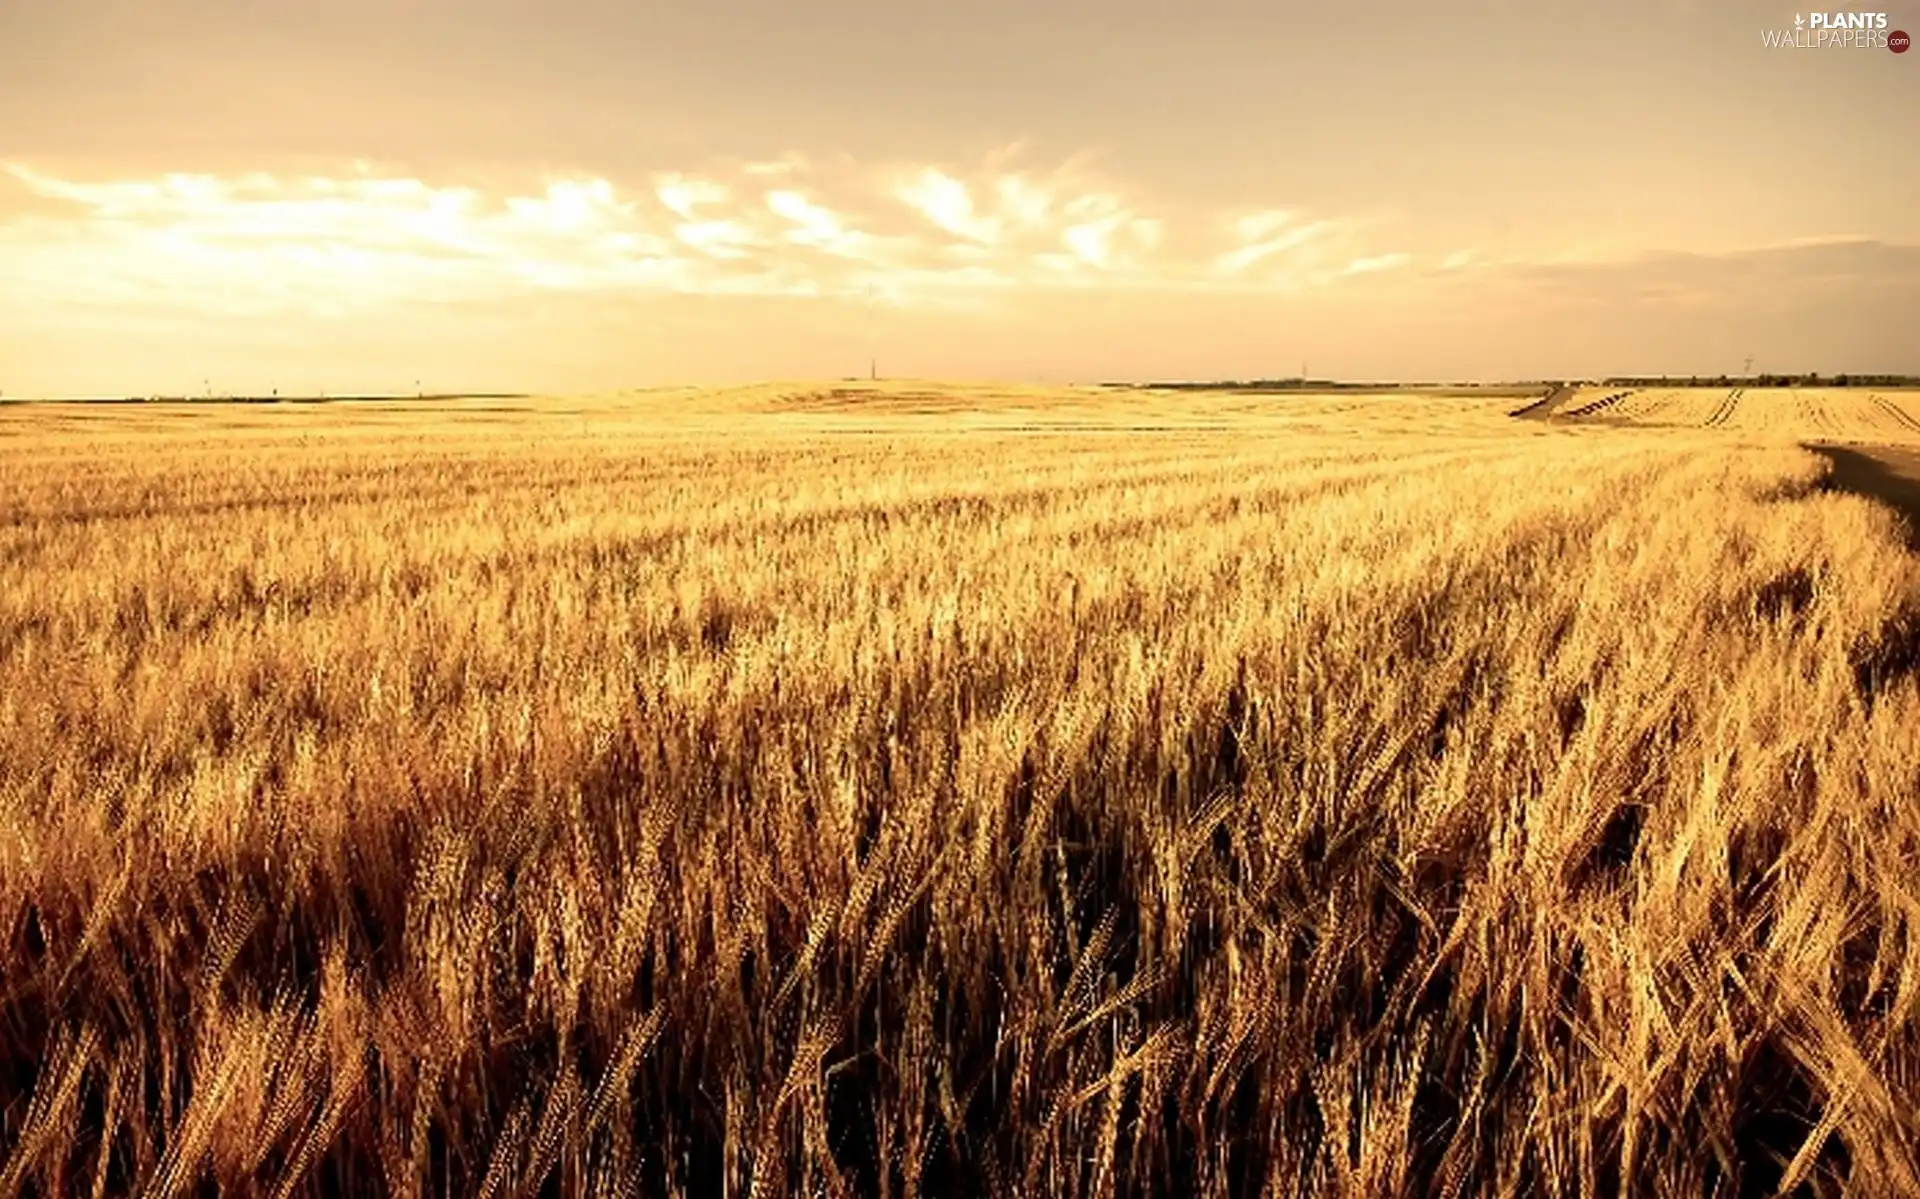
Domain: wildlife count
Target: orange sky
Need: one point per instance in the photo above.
(579, 194)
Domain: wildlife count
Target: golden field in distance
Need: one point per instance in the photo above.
(1839, 415)
(893, 789)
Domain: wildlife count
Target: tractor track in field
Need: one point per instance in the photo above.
(1728, 406)
(1543, 407)
(1898, 414)
(1597, 406)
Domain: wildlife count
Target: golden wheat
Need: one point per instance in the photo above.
(1782, 415)
(888, 791)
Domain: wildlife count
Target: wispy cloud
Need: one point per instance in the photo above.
(719, 238)
(913, 234)
(948, 203)
(1376, 262)
(682, 195)
(1272, 234)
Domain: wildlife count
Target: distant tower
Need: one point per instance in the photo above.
(1748, 371)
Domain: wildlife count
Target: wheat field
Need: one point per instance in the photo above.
(867, 790)
(1835, 415)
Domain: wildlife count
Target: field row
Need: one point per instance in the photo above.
(766, 410)
(1799, 414)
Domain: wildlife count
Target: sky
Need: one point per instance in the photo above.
(242, 196)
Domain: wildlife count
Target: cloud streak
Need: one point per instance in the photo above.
(913, 235)
(916, 235)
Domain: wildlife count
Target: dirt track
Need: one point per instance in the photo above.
(1547, 405)
(1890, 474)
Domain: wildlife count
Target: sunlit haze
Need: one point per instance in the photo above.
(583, 195)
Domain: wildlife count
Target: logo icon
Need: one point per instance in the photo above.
(1799, 22)
(1898, 41)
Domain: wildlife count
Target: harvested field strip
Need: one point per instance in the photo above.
(1771, 414)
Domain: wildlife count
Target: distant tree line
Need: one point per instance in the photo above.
(1812, 379)
(277, 398)
(1273, 385)
(1255, 385)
